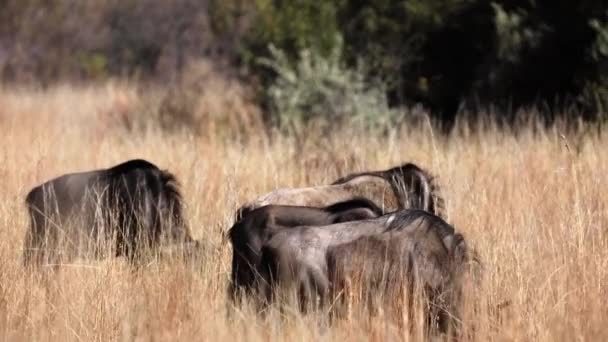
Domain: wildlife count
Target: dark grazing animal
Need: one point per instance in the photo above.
(312, 264)
(391, 271)
(249, 234)
(117, 211)
(402, 187)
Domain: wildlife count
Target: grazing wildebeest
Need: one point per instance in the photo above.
(117, 211)
(402, 187)
(313, 263)
(249, 234)
(390, 271)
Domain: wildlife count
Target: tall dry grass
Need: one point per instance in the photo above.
(532, 204)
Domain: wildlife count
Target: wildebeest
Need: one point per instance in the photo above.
(313, 263)
(388, 271)
(249, 234)
(402, 187)
(122, 210)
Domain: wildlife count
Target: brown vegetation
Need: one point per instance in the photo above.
(533, 204)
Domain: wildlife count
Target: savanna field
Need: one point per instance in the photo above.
(532, 203)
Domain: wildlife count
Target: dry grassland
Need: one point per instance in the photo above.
(533, 204)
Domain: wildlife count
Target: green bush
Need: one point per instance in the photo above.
(322, 88)
(445, 54)
(294, 26)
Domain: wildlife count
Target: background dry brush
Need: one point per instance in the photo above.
(532, 203)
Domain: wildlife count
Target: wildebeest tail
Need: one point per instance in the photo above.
(424, 190)
(173, 205)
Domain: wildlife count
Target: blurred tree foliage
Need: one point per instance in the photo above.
(448, 54)
(444, 54)
(49, 40)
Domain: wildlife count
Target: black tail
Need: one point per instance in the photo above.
(170, 204)
(173, 207)
(420, 186)
(409, 182)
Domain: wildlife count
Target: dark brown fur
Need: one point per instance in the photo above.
(392, 271)
(385, 254)
(129, 207)
(249, 234)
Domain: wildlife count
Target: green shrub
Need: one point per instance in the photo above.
(294, 26)
(320, 88)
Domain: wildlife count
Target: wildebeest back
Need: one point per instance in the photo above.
(421, 265)
(249, 234)
(409, 245)
(133, 204)
(403, 187)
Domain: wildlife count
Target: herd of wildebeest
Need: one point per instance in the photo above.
(378, 236)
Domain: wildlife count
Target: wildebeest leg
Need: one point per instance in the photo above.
(314, 289)
(241, 279)
(269, 272)
(239, 287)
(305, 292)
(321, 285)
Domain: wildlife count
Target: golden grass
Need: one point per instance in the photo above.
(532, 204)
